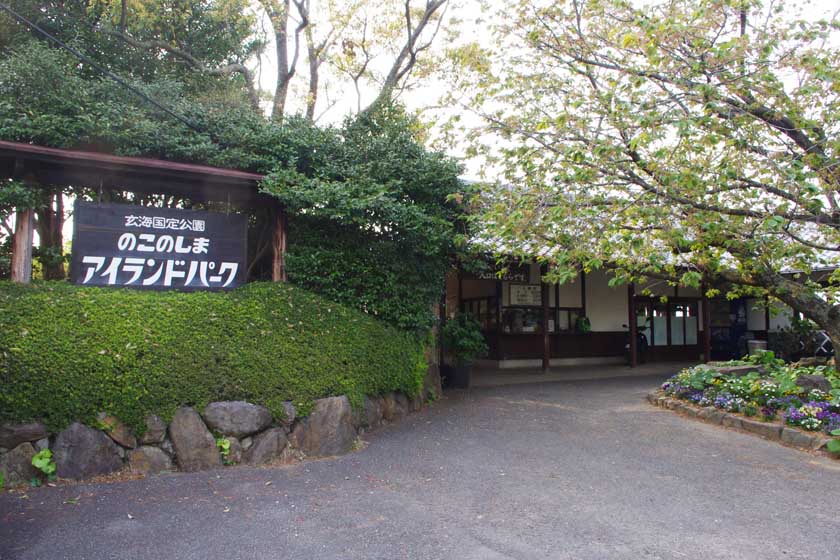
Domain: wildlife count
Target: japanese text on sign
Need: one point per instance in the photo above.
(113, 247)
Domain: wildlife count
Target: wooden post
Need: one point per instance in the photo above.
(767, 316)
(22, 246)
(278, 243)
(632, 325)
(707, 325)
(499, 288)
(582, 292)
(460, 292)
(546, 358)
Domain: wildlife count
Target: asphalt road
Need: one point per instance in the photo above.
(576, 470)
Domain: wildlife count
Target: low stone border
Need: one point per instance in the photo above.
(189, 442)
(775, 431)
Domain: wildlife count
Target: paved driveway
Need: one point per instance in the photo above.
(582, 469)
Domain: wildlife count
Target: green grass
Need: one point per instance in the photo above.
(67, 353)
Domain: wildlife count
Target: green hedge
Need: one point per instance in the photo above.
(67, 353)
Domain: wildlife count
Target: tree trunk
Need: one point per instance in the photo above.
(803, 299)
(50, 224)
(280, 24)
(314, 64)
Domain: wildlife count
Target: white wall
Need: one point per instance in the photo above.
(570, 293)
(755, 315)
(606, 307)
(781, 319)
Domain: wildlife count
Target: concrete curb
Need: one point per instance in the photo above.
(775, 431)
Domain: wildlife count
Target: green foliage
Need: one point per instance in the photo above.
(375, 275)
(765, 392)
(668, 141)
(2, 480)
(223, 445)
(46, 98)
(699, 377)
(375, 223)
(213, 32)
(67, 353)
(373, 219)
(583, 325)
(43, 461)
(834, 444)
(765, 358)
(462, 339)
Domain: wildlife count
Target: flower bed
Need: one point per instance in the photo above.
(765, 388)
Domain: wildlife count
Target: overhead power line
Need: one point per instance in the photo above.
(87, 60)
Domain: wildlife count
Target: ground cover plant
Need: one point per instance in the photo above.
(67, 353)
(770, 393)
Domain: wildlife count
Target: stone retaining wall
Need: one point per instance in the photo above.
(774, 430)
(189, 443)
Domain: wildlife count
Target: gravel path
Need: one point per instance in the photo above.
(576, 470)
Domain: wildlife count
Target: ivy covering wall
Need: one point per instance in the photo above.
(67, 353)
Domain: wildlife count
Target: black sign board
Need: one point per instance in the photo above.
(157, 248)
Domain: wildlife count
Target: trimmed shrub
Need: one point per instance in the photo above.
(67, 353)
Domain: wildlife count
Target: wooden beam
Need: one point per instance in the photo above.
(22, 246)
(141, 175)
(546, 357)
(632, 325)
(278, 243)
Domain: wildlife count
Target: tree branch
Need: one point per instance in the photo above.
(407, 57)
(195, 63)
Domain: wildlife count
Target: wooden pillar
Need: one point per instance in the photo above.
(460, 292)
(707, 325)
(22, 246)
(499, 330)
(632, 325)
(278, 243)
(582, 292)
(767, 316)
(546, 357)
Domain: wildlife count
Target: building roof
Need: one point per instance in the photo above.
(201, 183)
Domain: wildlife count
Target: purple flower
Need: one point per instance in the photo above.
(831, 421)
(695, 396)
(785, 402)
(768, 412)
(794, 416)
(723, 400)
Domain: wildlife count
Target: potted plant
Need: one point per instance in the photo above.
(463, 343)
(582, 324)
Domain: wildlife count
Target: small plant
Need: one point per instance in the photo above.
(2, 480)
(224, 449)
(765, 358)
(462, 339)
(834, 445)
(583, 325)
(103, 425)
(43, 462)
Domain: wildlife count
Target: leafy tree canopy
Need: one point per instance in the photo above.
(689, 140)
(371, 221)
